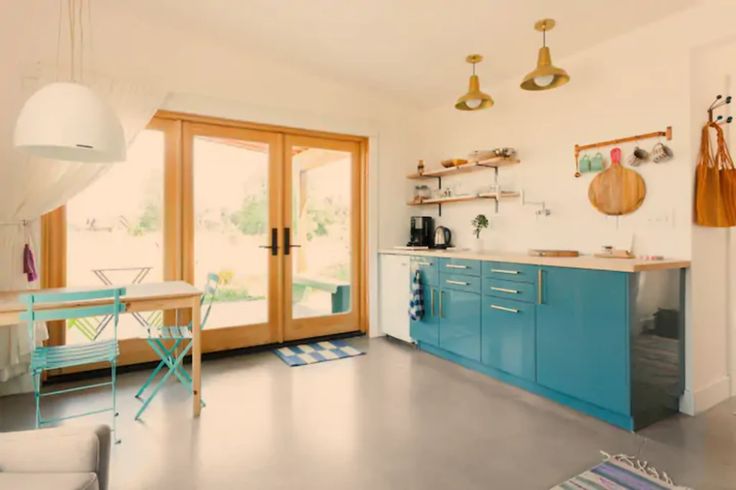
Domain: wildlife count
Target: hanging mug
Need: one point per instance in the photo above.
(598, 162)
(661, 153)
(638, 157)
(584, 164)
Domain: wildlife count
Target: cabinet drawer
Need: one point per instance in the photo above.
(460, 266)
(429, 267)
(518, 291)
(460, 282)
(510, 272)
(508, 337)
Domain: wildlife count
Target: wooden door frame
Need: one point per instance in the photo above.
(235, 336)
(299, 328)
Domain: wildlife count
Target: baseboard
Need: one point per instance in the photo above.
(695, 402)
(17, 385)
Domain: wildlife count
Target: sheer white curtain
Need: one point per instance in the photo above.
(33, 186)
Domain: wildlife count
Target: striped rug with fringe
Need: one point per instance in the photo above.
(620, 472)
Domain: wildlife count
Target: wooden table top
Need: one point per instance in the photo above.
(166, 290)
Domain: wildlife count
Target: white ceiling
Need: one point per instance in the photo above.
(412, 49)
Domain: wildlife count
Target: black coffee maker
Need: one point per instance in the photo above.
(421, 231)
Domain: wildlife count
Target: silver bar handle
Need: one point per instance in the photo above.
(456, 266)
(504, 271)
(504, 290)
(424, 263)
(457, 283)
(503, 308)
(540, 287)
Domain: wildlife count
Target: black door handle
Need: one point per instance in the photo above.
(287, 241)
(274, 242)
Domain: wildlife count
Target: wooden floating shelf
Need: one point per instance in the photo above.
(445, 200)
(468, 167)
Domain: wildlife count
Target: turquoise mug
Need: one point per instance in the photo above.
(584, 164)
(598, 162)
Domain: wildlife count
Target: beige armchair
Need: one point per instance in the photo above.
(68, 457)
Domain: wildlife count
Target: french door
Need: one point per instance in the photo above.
(278, 218)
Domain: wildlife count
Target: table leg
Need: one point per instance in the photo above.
(196, 357)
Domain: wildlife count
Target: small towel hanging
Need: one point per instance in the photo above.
(29, 263)
(416, 303)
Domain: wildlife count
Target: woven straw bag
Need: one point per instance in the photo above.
(715, 182)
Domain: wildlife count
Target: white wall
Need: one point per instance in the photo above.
(714, 249)
(637, 83)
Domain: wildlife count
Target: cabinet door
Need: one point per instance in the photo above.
(427, 329)
(508, 336)
(460, 323)
(582, 335)
(394, 294)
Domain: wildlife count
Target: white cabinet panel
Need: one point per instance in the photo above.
(394, 293)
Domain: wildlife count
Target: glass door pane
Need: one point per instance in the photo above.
(115, 234)
(233, 180)
(322, 177)
(230, 223)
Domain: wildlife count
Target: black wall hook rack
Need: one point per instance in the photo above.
(719, 102)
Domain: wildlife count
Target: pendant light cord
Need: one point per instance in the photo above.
(58, 40)
(75, 18)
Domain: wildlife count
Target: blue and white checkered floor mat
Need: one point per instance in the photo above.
(299, 355)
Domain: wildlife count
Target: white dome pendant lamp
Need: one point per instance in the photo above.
(67, 120)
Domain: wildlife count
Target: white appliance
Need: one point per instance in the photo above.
(393, 296)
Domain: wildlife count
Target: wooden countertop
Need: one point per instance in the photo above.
(581, 262)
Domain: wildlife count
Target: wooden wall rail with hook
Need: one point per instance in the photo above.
(667, 133)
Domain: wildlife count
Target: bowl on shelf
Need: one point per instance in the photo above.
(504, 152)
(480, 155)
(453, 162)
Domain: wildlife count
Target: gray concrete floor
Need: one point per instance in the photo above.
(394, 419)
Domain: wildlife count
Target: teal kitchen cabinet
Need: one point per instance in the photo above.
(460, 322)
(583, 335)
(508, 336)
(606, 343)
(451, 306)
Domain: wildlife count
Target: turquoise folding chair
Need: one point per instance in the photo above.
(180, 337)
(42, 307)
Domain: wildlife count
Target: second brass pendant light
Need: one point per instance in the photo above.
(546, 76)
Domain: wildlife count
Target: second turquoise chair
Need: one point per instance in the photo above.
(178, 337)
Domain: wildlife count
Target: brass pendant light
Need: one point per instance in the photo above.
(474, 100)
(547, 75)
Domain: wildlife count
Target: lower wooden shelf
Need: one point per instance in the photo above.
(445, 200)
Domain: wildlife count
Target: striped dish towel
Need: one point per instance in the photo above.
(416, 303)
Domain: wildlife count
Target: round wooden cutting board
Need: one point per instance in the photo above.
(617, 190)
